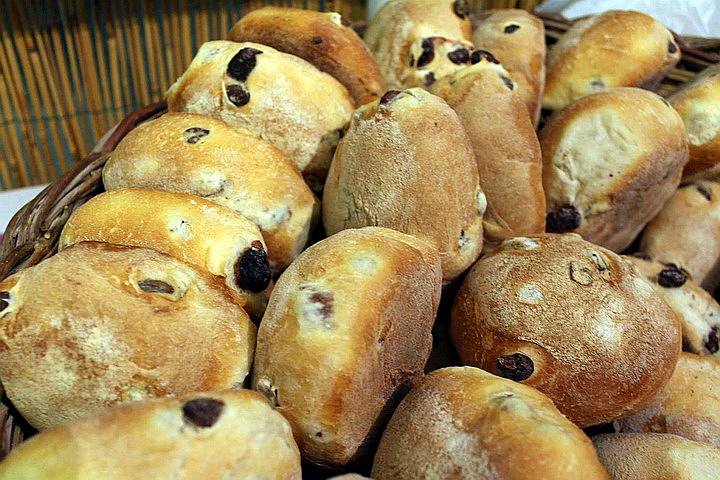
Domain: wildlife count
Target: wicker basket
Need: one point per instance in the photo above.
(33, 232)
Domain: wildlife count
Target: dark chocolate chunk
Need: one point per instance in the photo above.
(203, 412)
(429, 79)
(517, 366)
(671, 277)
(155, 286)
(703, 191)
(672, 48)
(564, 219)
(428, 53)
(193, 134)
(459, 56)
(512, 28)
(389, 96)
(508, 83)
(242, 63)
(713, 342)
(461, 8)
(238, 95)
(478, 55)
(252, 270)
(316, 40)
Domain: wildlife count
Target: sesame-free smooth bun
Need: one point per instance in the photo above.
(212, 436)
(462, 422)
(407, 163)
(571, 319)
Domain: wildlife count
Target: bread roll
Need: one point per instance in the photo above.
(99, 324)
(654, 456)
(462, 422)
(506, 149)
(686, 233)
(281, 97)
(615, 49)
(611, 160)
(697, 310)
(571, 319)
(210, 436)
(517, 39)
(324, 39)
(416, 42)
(406, 163)
(347, 330)
(203, 156)
(186, 227)
(688, 406)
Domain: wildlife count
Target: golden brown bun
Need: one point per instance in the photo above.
(462, 422)
(209, 436)
(346, 330)
(688, 406)
(324, 39)
(186, 227)
(506, 149)
(416, 42)
(686, 232)
(656, 456)
(571, 319)
(281, 97)
(99, 324)
(203, 156)
(615, 49)
(698, 103)
(611, 160)
(517, 39)
(696, 309)
(406, 163)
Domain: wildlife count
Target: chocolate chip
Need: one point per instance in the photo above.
(459, 56)
(325, 299)
(242, 63)
(672, 48)
(642, 255)
(478, 55)
(508, 83)
(512, 28)
(252, 270)
(516, 367)
(389, 96)
(203, 412)
(461, 8)
(703, 191)
(193, 134)
(155, 286)
(713, 342)
(316, 40)
(671, 277)
(564, 219)
(238, 95)
(428, 53)
(429, 79)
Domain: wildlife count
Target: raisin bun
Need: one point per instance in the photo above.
(407, 163)
(212, 436)
(615, 49)
(416, 42)
(611, 161)
(571, 319)
(324, 39)
(270, 93)
(183, 226)
(697, 310)
(688, 406)
(686, 233)
(656, 456)
(347, 330)
(99, 324)
(505, 145)
(462, 422)
(517, 39)
(233, 167)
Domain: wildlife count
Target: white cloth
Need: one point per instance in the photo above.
(13, 200)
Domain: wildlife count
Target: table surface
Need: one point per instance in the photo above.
(13, 200)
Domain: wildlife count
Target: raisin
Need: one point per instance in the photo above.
(203, 412)
(564, 219)
(389, 96)
(459, 56)
(428, 53)
(703, 191)
(193, 134)
(516, 367)
(238, 95)
(461, 8)
(242, 63)
(252, 270)
(512, 28)
(672, 48)
(316, 40)
(478, 55)
(155, 286)
(508, 83)
(671, 277)
(429, 79)
(713, 342)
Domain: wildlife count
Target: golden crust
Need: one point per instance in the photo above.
(98, 324)
(655, 456)
(324, 39)
(160, 439)
(348, 328)
(291, 104)
(506, 149)
(615, 157)
(615, 49)
(401, 162)
(517, 39)
(203, 156)
(686, 232)
(601, 364)
(462, 422)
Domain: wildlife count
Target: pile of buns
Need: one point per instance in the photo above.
(345, 257)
